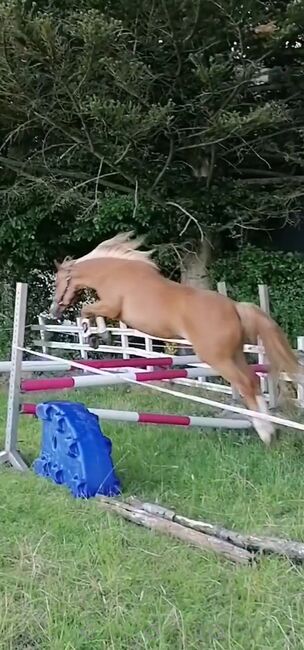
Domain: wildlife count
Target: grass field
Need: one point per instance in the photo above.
(74, 578)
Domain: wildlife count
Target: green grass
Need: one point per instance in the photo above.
(74, 578)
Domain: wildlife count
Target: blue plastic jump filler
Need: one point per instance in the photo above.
(74, 450)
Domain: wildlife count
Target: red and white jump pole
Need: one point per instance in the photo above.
(83, 381)
(137, 362)
(158, 418)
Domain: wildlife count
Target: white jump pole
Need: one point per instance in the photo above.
(10, 453)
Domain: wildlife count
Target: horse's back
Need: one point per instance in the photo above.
(169, 309)
(149, 302)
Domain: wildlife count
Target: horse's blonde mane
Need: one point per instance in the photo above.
(122, 246)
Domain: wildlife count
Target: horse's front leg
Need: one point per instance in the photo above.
(97, 310)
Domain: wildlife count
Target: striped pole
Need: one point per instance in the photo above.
(83, 381)
(159, 419)
(137, 362)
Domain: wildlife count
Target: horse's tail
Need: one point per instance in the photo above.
(256, 324)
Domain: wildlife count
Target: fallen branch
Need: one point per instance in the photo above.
(161, 524)
(253, 543)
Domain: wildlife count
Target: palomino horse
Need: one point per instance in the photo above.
(130, 288)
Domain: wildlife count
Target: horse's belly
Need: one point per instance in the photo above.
(160, 330)
(154, 322)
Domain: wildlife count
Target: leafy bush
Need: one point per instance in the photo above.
(283, 273)
(6, 316)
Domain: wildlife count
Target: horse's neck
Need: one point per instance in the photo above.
(93, 274)
(87, 274)
(98, 273)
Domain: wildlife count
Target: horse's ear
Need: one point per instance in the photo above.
(57, 265)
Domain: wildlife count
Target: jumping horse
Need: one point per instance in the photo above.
(131, 288)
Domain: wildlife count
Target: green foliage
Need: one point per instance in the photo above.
(39, 297)
(178, 113)
(282, 272)
(6, 314)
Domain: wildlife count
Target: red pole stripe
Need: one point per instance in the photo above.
(260, 367)
(158, 375)
(157, 418)
(138, 362)
(28, 409)
(56, 383)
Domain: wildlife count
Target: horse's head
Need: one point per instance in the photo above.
(65, 288)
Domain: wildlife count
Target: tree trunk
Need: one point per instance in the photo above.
(194, 266)
(194, 271)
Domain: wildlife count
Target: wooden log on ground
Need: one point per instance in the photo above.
(254, 543)
(162, 525)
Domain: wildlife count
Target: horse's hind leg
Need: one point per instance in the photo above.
(238, 373)
(256, 401)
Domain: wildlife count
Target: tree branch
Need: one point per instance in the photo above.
(199, 145)
(278, 180)
(256, 543)
(211, 166)
(190, 218)
(195, 22)
(166, 165)
(178, 56)
(18, 168)
(89, 145)
(167, 526)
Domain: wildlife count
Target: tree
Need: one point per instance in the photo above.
(181, 119)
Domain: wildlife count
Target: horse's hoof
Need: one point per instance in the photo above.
(93, 341)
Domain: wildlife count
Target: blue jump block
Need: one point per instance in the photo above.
(74, 451)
